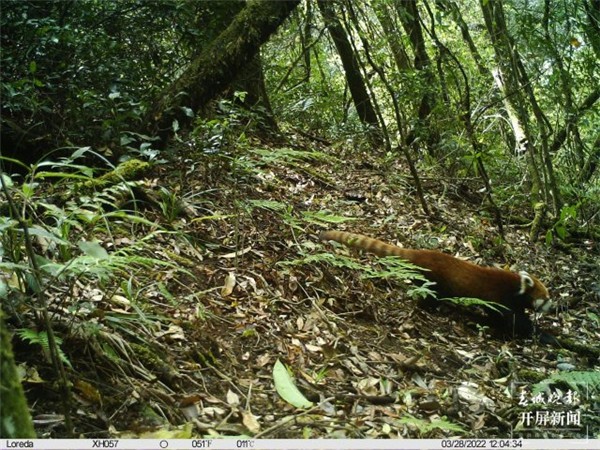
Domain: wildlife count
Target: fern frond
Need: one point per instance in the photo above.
(327, 258)
(470, 301)
(397, 268)
(40, 338)
(588, 381)
(270, 205)
(323, 218)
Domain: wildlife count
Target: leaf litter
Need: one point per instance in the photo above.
(229, 337)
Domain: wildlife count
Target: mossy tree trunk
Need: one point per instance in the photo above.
(15, 420)
(218, 64)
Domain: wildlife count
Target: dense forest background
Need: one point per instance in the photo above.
(165, 168)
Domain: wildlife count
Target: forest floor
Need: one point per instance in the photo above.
(246, 283)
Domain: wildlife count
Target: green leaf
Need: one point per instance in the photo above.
(7, 180)
(285, 387)
(581, 381)
(561, 231)
(6, 224)
(37, 231)
(28, 189)
(93, 249)
(3, 289)
(46, 265)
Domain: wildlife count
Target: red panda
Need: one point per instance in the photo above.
(454, 277)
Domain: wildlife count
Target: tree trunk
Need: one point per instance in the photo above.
(507, 78)
(15, 420)
(218, 64)
(392, 35)
(251, 80)
(411, 22)
(466, 34)
(358, 90)
(592, 27)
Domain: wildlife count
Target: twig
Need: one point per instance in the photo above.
(288, 419)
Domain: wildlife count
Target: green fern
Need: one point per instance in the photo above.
(41, 338)
(470, 302)
(326, 258)
(323, 218)
(578, 381)
(396, 268)
(425, 426)
(170, 204)
(393, 268)
(270, 205)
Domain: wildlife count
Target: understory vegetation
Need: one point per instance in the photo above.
(160, 268)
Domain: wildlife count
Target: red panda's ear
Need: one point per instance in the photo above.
(526, 281)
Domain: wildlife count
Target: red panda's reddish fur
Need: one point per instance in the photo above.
(454, 277)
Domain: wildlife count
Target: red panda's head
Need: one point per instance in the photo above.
(536, 291)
